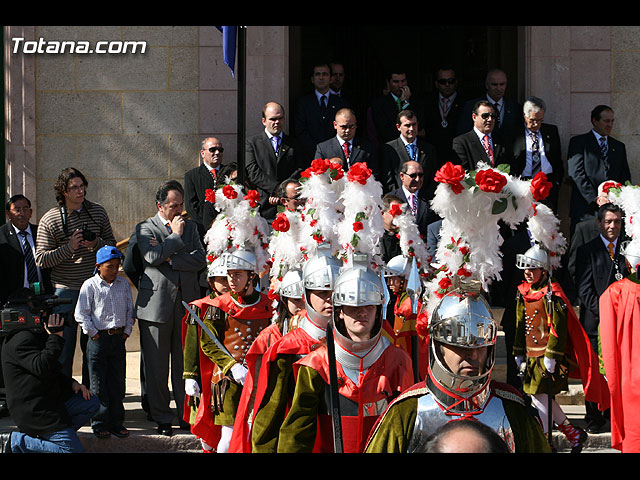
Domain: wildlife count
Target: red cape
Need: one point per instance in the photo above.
(583, 361)
(620, 338)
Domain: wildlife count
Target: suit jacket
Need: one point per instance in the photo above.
(424, 216)
(594, 273)
(587, 170)
(552, 149)
(433, 238)
(468, 150)
(384, 113)
(266, 171)
(313, 126)
(361, 151)
(160, 280)
(196, 182)
(511, 118)
(12, 263)
(394, 154)
(437, 135)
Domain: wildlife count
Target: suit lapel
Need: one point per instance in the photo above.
(160, 227)
(14, 241)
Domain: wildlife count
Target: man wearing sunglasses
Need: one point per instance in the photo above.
(200, 179)
(442, 112)
(482, 143)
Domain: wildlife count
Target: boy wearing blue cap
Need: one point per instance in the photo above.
(105, 313)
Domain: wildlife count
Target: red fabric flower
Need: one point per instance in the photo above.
(490, 181)
(229, 192)
(281, 223)
(359, 172)
(396, 209)
(540, 186)
(210, 258)
(253, 196)
(452, 175)
(210, 195)
(609, 185)
(319, 166)
(357, 226)
(444, 283)
(336, 170)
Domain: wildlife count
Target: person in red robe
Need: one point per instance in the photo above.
(619, 340)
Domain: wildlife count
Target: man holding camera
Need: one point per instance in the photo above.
(47, 406)
(69, 235)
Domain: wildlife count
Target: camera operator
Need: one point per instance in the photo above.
(47, 406)
(69, 235)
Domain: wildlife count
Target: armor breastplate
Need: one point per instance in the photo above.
(241, 333)
(535, 327)
(430, 416)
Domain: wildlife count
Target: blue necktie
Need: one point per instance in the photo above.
(32, 270)
(411, 148)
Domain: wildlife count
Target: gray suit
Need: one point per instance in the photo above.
(162, 288)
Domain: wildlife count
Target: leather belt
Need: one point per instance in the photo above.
(113, 331)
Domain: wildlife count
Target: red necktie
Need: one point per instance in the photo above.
(345, 147)
(488, 148)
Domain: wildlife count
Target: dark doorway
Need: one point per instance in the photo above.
(368, 51)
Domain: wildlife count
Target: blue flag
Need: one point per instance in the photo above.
(229, 46)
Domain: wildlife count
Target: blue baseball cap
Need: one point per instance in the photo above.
(105, 254)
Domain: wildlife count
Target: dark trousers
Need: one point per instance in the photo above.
(107, 358)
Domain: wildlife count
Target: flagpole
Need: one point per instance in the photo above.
(242, 101)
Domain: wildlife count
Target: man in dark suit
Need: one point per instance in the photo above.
(200, 179)
(408, 146)
(481, 144)
(385, 109)
(17, 260)
(442, 112)
(592, 158)
(17, 251)
(598, 265)
(412, 176)
(390, 241)
(509, 112)
(271, 157)
(536, 147)
(315, 112)
(346, 145)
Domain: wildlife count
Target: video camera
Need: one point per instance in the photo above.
(27, 308)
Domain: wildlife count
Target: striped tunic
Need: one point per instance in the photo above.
(70, 269)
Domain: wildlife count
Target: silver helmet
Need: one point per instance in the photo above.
(630, 250)
(462, 319)
(358, 286)
(535, 257)
(239, 259)
(217, 268)
(319, 273)
(398, 266)
(291, 285)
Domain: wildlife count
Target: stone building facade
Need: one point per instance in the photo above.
(130, 121)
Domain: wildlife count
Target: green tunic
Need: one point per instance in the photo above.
(534, 382)
(395, 429)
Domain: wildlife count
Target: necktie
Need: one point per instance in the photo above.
(32, 270)
(414, 206)
(610, 246)
(603, 147)
(535, 154)
(411, 149)
(488, 148)
(323, 102)
(445, 105)
(399, 103)
(497, 107)
(345, 147)
(214, 173)
(276, 144)
(168, 225)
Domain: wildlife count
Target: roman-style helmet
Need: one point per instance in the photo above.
(240, 259)
(217, 268)
(535, 257)
(630, 250)
(462, 319)
(292, 285)
(319, 273)
(358, 286)
(398, 266)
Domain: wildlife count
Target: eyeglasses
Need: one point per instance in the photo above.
(76, 188)
(447, 81)
(414, 175)
(486, 115)
(213, 149)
